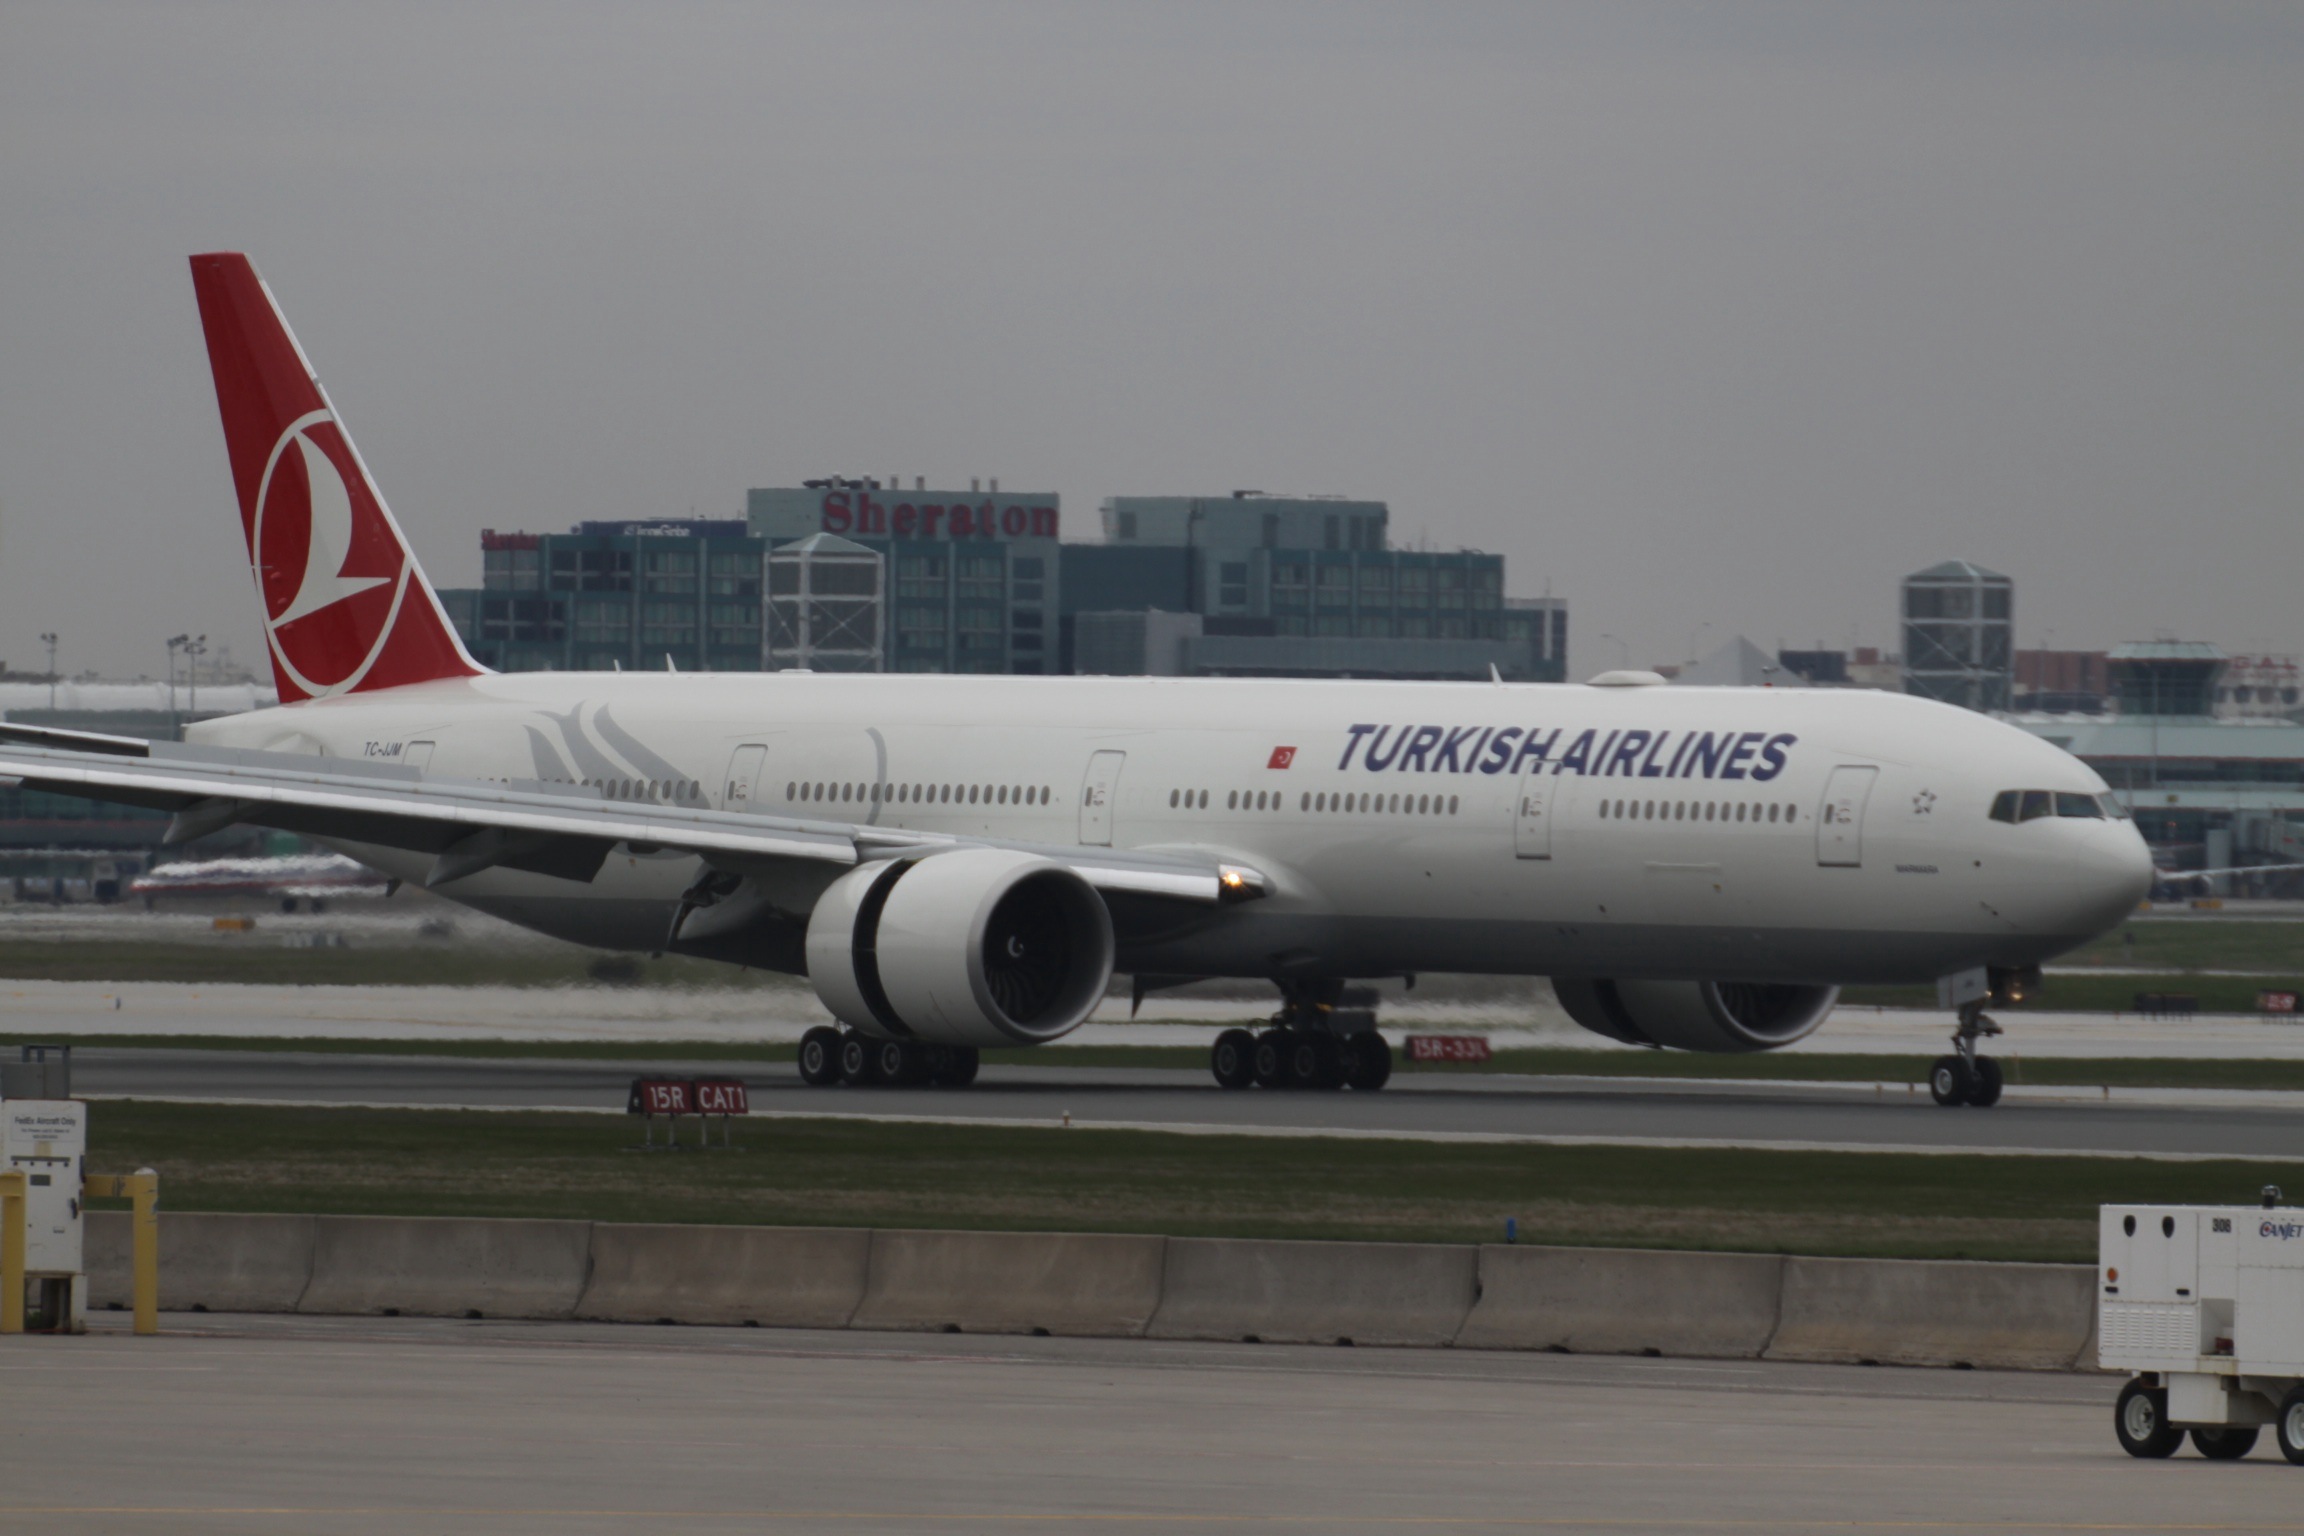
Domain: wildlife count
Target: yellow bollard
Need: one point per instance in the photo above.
(12, 1219)
(142, 1189)
(144, 1229)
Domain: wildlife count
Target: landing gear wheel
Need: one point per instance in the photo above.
(953, 1066)
(1331, 1061)
(1303, 1059)
(899, 1061)
(1232, 1059)
(2288, 1426)
(2226, 1442)
(2140, 1419)
(1369, 1061)
(1271, 1062)
(859, 1061)
(820, 1057)
(1950, 1081)
(1984, 1083)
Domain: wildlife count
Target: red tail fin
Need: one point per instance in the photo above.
(346, 608)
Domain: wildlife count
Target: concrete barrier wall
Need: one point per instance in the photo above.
(1908, 1312)
(1625, 1301)
(1370, 1293)
(777, 1277)
(209, 1261)
(1075, 1283)
(447, 1266)
(1921, 1312)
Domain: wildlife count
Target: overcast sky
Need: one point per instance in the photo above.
(1723, 315)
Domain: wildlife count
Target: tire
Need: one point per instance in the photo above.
(1232, 1059)
(2225, 1442)
(1984, 1087)
(1949, 1081)
(859, 1062)
(1332, 1060)
(1371, 1061)
(2140, 1419)
(2288, 1425)
(820, 1057)
(1271, 1061)
(1303, 1059)
(898, 1061)
(961, 1066)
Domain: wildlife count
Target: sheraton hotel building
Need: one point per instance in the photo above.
(845, 574)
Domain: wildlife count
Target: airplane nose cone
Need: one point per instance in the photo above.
(2118, 875)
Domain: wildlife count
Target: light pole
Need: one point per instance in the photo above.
(49, 640)
(1623, 650)
(197, 649)
(175, 721)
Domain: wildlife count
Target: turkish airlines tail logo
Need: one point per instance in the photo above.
(346, 607)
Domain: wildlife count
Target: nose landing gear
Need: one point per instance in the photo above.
(1965, 1077)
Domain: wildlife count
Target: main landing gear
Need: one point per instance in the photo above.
(829, 1056)
(1310, 1043)
(1965, 1077)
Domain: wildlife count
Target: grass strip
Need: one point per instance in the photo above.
(858, 1173)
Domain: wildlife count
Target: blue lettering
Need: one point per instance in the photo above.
(1628, 755)
(1578, 756)
(1706, 755)
(1377, 745)
(1648, 768)
(1533, 750)
(1673, 772)
(1500, 750)
(1353, 745)
(1772, 758)
(1418, 745)
(1733, 768)
(1449, 746)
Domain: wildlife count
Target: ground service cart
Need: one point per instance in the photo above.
(2205, 1305)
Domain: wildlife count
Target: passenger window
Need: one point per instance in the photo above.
(2084, 806)
(2037, 803)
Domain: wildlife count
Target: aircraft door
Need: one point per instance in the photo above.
(1840, 819)
(1096, 794)
(417, 755)
(1532, 814)
(741, 785)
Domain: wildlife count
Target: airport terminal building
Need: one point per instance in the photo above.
(982, 580)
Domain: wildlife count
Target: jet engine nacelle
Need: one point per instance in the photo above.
(979, 946)
(1714, 1016)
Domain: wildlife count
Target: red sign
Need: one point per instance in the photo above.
(1282, 757)
(660, 1096)
(721, 1096)
(857, 513)
(1448, 1048)
(2276, 1002)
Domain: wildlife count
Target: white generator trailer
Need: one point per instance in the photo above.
(2205, 1305)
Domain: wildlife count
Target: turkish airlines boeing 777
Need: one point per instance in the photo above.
(958, 862)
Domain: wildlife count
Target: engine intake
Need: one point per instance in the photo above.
(979, 946)
(1712, 1016)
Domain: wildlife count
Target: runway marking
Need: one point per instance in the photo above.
(1207, 1128)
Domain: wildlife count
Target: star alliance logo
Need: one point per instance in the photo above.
(1924, 802)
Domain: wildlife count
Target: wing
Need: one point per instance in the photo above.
(561, 830)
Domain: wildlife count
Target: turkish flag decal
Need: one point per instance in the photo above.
(1282, 757)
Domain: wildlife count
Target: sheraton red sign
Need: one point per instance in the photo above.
(862, 513)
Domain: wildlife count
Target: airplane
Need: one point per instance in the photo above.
(960, 862)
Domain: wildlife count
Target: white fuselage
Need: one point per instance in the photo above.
(1734, 834)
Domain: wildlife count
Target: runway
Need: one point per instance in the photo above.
(323, 1425)
(2173, 1124)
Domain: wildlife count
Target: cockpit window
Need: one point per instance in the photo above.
(2037, 803)
(2079, 805)
(2014, 805)
(2004, 806)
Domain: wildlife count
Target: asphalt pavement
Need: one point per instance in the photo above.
(365, 1425)
(1434, 1106)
